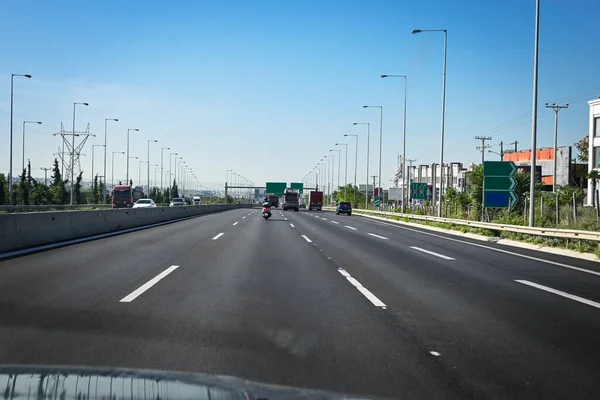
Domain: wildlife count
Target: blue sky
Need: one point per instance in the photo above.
(266, 88)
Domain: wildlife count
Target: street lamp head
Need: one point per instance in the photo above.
(27, 76)
(384, 76)
(356, 123)
(85, 104)
(365, 106)
(116, 119)
(415, 31)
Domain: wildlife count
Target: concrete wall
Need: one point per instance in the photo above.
(23, 230)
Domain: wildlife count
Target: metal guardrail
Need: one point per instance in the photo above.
(548, 232)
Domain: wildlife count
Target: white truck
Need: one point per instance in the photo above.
(302, 202)
(291, 199)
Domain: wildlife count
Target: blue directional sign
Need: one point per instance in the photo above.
(499, 184)
(499, 199)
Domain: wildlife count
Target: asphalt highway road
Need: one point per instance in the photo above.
(316, 300)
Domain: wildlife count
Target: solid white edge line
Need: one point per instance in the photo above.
(292, 225)
(365, 292)
(235, 223)
(350, 227)
(218, 236)
(307, 239)
(377, 236)
(137, 292)
(560, 293)
(558, 264)
(433, 253)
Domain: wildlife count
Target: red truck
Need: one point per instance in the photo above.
(121, 196)
(315, 201)
(125, 196)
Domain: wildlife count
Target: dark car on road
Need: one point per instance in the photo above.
(344, 208)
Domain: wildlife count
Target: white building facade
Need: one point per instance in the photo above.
(594, 150)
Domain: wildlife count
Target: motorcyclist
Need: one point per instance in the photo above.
(266, 208)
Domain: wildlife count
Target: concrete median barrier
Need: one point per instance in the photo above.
(24, 230)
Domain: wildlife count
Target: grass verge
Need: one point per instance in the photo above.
(581, 246)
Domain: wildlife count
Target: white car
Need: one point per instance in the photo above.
(144, 203)
(178, 202)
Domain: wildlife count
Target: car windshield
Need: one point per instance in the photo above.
(144, 201)
(344, 204)
(178, 200)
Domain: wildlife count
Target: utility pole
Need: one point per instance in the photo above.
(373, 176)
(556, 109)
(515, 143)
(483, 146)
(409, 161)
(501, 150)
(45, 174)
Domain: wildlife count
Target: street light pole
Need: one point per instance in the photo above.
(171, 171)
(534, 116)
(10, 168)
(148, 159)
(175, 170)
(443, 110)
(405, 180)
(128, 130)
(26, 122)
(140, 172)
(161, 168)
(354, 189)
(380, 143)
(346, 168)
(105, 129)
(94, 146)
(368, 143)
(339, 164)
(73, 151)
(556, 109)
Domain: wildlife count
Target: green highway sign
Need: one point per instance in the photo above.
(276, 188)
(418, 191)
(499, 184)
(298, 185)
(499, 168)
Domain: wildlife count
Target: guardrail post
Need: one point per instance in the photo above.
(574, 208)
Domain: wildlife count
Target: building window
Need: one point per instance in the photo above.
(597, 157)
(596, 126)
